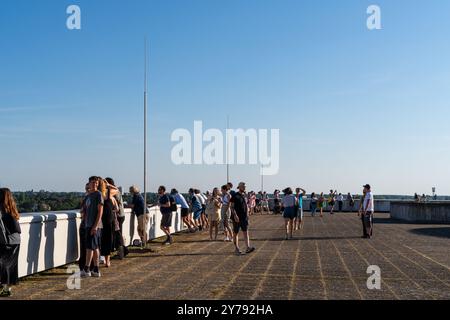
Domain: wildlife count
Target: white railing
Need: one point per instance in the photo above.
(51, 239)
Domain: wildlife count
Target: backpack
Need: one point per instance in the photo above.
(173, 203)
(7, 238)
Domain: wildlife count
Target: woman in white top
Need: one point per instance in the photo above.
(213, 205)
(226, 213)
(289, 202)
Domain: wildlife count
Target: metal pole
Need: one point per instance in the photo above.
(262, 178)
(226, 137)
(145, 124)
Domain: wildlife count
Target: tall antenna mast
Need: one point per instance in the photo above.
(262, 177)
(226, 137)
(145, 124)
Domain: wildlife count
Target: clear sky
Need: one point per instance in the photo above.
(353, 106)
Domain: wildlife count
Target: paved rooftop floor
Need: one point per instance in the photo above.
(327, 259)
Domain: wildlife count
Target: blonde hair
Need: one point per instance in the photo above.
(102, 188)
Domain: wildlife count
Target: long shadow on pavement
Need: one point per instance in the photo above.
(304, 238)
(443, 232)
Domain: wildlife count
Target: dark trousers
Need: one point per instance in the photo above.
(340, 204)
(82, 259)
(367, 222)
(118, 236)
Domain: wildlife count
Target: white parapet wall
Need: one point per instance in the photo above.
(51, 239)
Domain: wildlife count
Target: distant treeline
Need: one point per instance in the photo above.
(32, 201)
(41, 201)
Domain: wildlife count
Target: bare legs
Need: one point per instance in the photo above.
(227, 230)
(289, 225)
(214, 229)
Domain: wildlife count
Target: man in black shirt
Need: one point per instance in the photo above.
(239, 216)
(165, 205)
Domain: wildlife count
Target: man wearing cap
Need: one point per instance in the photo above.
(239, 216)
(367, 212)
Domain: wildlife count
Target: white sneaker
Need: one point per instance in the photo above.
(96, 274)
(226, 239)
(102, 260)
(85, 274)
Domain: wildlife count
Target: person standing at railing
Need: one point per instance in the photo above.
(139, 209)
(166, 205)
(119, 242)
(82, 232)
(196, 209)
(110, 207)
(9, 242)
(93, 226)
(351, 202)
(205, 220)
(185, 214)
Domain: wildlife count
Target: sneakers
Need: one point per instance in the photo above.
(5, 292)
(226, 239)
(250, 250)
(237, 252)
(168, 241)
(85, 274)
(96, 274)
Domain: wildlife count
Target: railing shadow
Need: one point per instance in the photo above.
(34, 245)
(442, 232)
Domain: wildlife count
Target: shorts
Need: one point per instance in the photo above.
(166, 220)
(93, 241)
(300, 213)
(226, 214)
(241, 225)
(184, 212)
(197, 214)
(289, 213)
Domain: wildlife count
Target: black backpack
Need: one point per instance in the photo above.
(173, 204)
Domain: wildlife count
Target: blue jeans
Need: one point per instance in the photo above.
(313, 209)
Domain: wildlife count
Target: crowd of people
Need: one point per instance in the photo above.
(217, 209)
(102, 216)
(223, 209)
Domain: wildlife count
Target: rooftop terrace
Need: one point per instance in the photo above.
(326, 260)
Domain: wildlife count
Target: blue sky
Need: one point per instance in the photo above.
(352, 105)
